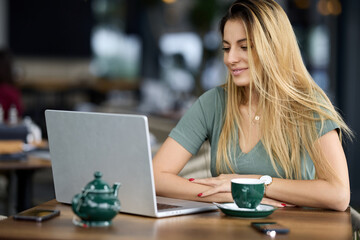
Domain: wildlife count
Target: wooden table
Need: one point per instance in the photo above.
(32, 163)
(20, 175)
(303, 224)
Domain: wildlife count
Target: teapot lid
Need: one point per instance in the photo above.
(98, 185)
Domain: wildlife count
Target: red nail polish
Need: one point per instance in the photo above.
(283, 204)
(200, 194)
(191, 179)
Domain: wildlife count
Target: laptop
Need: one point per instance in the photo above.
(117, 145)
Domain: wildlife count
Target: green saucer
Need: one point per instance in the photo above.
(260, 211)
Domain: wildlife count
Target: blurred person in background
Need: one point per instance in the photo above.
(269, 121)
(10, 96)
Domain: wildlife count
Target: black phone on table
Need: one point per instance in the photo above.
(37, 215)
(268, 227)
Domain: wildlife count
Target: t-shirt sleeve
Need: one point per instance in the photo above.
(194, 127)
(328, 126)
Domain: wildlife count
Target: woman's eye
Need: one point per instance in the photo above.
(244, 47)
(225, 49)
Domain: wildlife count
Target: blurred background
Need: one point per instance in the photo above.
(155, 57)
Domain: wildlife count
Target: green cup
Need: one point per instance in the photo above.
(247, 192)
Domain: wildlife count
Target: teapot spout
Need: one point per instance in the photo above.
(116, 187)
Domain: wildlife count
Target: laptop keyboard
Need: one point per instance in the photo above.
(162, 206)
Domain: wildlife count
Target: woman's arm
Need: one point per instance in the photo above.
(167, 163)
(325, 192)
(170, 160)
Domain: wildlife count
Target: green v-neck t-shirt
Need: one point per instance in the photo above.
(204, 121)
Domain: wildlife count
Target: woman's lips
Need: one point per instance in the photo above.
(238, 71)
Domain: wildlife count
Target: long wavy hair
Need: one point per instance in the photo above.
(290, 102)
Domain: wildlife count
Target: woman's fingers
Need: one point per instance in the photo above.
(217, 185)
(275, 203)
(214, 181)
(209, 192)
(206, 181)
(214, 190)
(217, 188)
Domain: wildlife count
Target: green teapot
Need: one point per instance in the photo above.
(98, 203)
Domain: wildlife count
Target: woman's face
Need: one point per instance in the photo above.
(235, 52)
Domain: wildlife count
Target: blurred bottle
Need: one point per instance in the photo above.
(35, 135)
(1, 115)
(13, 115)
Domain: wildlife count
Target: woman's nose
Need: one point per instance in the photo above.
(233, 57)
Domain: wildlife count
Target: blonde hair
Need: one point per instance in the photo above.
(290, 102)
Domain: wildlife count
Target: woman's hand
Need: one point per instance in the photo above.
(276, 203)
(222, 184)
(219, 184)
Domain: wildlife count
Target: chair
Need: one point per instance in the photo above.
(199, 165)
(355, 221)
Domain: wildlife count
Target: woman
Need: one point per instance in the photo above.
(270, 118)
(9, 94)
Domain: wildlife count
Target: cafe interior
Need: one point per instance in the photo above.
(153, 57)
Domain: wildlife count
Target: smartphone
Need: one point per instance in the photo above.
(270, 227)
(37, 215)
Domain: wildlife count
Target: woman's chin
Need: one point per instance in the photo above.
(241, 82)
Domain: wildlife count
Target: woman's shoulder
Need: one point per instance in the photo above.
(212, 104)
(215, 91)
(214, 94)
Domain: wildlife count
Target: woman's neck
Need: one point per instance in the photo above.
(250, 97)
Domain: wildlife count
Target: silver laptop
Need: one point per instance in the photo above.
(118, 145)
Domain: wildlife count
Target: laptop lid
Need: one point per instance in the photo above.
(118, 145)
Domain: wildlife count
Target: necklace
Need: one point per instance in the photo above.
(255, 119)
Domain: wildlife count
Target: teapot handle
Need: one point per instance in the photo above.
(76, 204)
